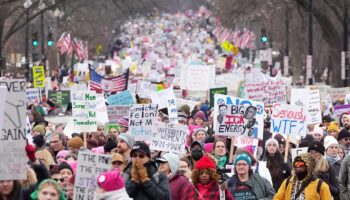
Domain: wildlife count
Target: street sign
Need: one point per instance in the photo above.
(38, 76)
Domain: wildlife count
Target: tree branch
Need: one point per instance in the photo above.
(335, 10)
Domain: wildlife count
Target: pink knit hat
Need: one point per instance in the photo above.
(123, 121)
(73, 164)
(110, 181)
(201, 115)
(98, 150)
(62, 153)
(208, 147)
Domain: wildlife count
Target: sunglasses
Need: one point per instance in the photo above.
(138, 155)
(58, 179)
(299, 164)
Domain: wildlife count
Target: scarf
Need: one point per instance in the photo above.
(332, 160)
(221, 161)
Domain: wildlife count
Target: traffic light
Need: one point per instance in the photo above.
(35, 39)
(263, 36)
(50, 41)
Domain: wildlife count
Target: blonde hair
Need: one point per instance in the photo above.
(46, 156)
(321, 166)
(31, 178)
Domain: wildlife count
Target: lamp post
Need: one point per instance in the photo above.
(27, 73)
(345, 52)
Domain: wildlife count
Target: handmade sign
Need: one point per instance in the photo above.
(166, 99)
(84, 111)
(238, 117)
(141, 119)
(33, 95)
(13, 130)
(101, 109)
(340, 109)
(197, 77)
(241, 142)
(339, 93)
(288, 120)
(169, 138)
(181, 102)
(62, 97)
(38, 76)
(122, 98)
(116, 112)
(90, 165)
(144, 89)
(298, 151)
(213, 91)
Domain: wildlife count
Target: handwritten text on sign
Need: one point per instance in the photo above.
(169, 138)
(90, 165)
(288, 119)
(268, 92)
(141, 119)
(116, 112)
(166, 99)
(84, 111)
(123, 98)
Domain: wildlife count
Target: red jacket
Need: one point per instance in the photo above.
(190, 193)
(178, 183)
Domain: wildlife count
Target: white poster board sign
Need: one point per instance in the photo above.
(141, 119)
(166, 99)
(169, 138)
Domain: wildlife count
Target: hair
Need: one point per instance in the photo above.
(196, 173)
(54, 169)
(31, 178)
(16, 191)
(340, 122)
(184, 159)
(71, 155)
(219, 140)
(342, 148)
(46, 156)
(48, 183)
(274, 163)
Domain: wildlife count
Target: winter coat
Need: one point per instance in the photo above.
(93, 144)
(177, 185)
(284, 193)
(261, 187)
(344, 179)
(120, 194)
(336, 166)
(155, 189)
(329, 177)
(41, 174)
(190, 193)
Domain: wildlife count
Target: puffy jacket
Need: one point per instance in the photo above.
(177, 185)
(344, 179)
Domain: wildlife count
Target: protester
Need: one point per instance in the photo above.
(182, 117)
(184, 167)
(142, 181)
(220, 153)
(341, 152)
(205, 182)
(333, 129)
(123, 124)
(200, 118)
(303, 185)
(125, 144)
(199, 134)
(56, 144)
(331, 145)
(113, 129)
(66, 171)
(282, 146)
(10, 189)
(197, 150)
(344, 140)
(109, 146)
(48, 189)
(39, 130)
(344, 178)
(61, 156)
(317, 133)
(96, 139)
(75, 143)
(117, 161)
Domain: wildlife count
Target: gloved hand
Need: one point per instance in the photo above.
(134, 175)
(142, 173)
(30, 152)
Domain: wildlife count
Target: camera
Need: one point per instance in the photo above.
(222, 173)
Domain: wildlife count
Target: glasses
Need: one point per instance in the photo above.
(242, 165)
(54, 142)
(138, 155)
(299, 164)
(58, 179)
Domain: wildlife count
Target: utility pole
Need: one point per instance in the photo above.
(286, 53)
(43, 57)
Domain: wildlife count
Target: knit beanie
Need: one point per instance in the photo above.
(333, 126)
(110, 181)
(39, 128)
(128, 138)
(205, 163)
(245, 157)
(65, 165)
(342, 134)
(271, 140)
(75, 142)
(329, 140)
(62, 153)
(316, 146)
(186, 109)
(39, 141)
(110, 144)
(201, 115)
(198, 130)
(123, 121)
(173, 161)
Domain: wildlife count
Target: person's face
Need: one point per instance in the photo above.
(164, 168)
(315, 155)
(123, 129)
(183, 166)
(114, 131)
(333, 133)
(317, 136)
(56, 144)
(198, 121)
(332, 150)
(341, 153)
(204, 176)
(139, 157)
(220, 149)
(48, 193)
(299, 168)
(122, 146)
(66, 175)
(58, 178)
(182, 122)
(242, 167)
(272, 148)
(223, 110)
(35, 133)
(200, 135)
(282, 147)
(60, 159)
(117, 165)
(345, 141)
(190, 121)
(250, 113)
(346, 122)
(6, 187)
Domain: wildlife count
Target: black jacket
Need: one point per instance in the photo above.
(330, 177)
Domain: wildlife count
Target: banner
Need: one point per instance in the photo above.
(122, 98)
(166, 99)
(90, 165)
(141, 119)
(338, 110)
(197, 77)
(116, 112)
(213, 91)
(169, 138)
(238, 117)
(33, 96)
(13, 134)
(38, 77)
(288, 120)
(84, 111)
(62, 97)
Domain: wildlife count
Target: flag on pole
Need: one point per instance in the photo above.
(101, 84)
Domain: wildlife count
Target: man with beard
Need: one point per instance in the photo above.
(344, 140)
(97, 138)
(125, 144)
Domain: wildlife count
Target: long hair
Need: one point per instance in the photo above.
(274, 163)
(196, 173)
(16, 191)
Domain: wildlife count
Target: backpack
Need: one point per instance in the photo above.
(319, 184)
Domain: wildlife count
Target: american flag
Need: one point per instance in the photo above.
(101, 84)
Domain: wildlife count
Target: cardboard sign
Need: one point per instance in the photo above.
(166, 99)
(13, 135)
(213, 91)
(116, 112)
(242, 142)
(238, 117)
(141, 119)
(122, 98)
(197, 77)
(84, 111)
(339, 93)
(33, 95)
(298, 151)
(90, 165)
(38, 76)
(62, 97)
(170, 138)
(288, 120)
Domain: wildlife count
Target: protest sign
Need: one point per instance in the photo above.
(62, 98)
(338, 93)
(197, 77)
(166, 99)
(33, 95)
(241, 142)
(238, 117)
(200, 96)
(89, 166)
(122, 98)
(116, 112)
(101, 109)
(84, 111)
(213, 91)
(144, 89)
(13, 135)
(169, 138)
(38, 76)
(141, 119)
(288, 120)
(338, 110)
(298, 151)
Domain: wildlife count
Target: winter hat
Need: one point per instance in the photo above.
(117, 157)
(305, 142)
(329, 140)
(62, 153)
(280, 139)
(343, 134)
(110, 144)
(205, 163)
(173, 161)
(75, 142)
(199, 143)
(110, 181)
(98, 150)
(317, 146)
(123, 121)
(73, 165)
(65, 165)
(333, 126)
(245, 157)
(39, 128)
(142, 147)
(198, 130)
(271, 140)
(186, 109)
(128, 138)
(201, 115)
(181, 115)
(39, 141)
(317, 130)
(208, 147)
